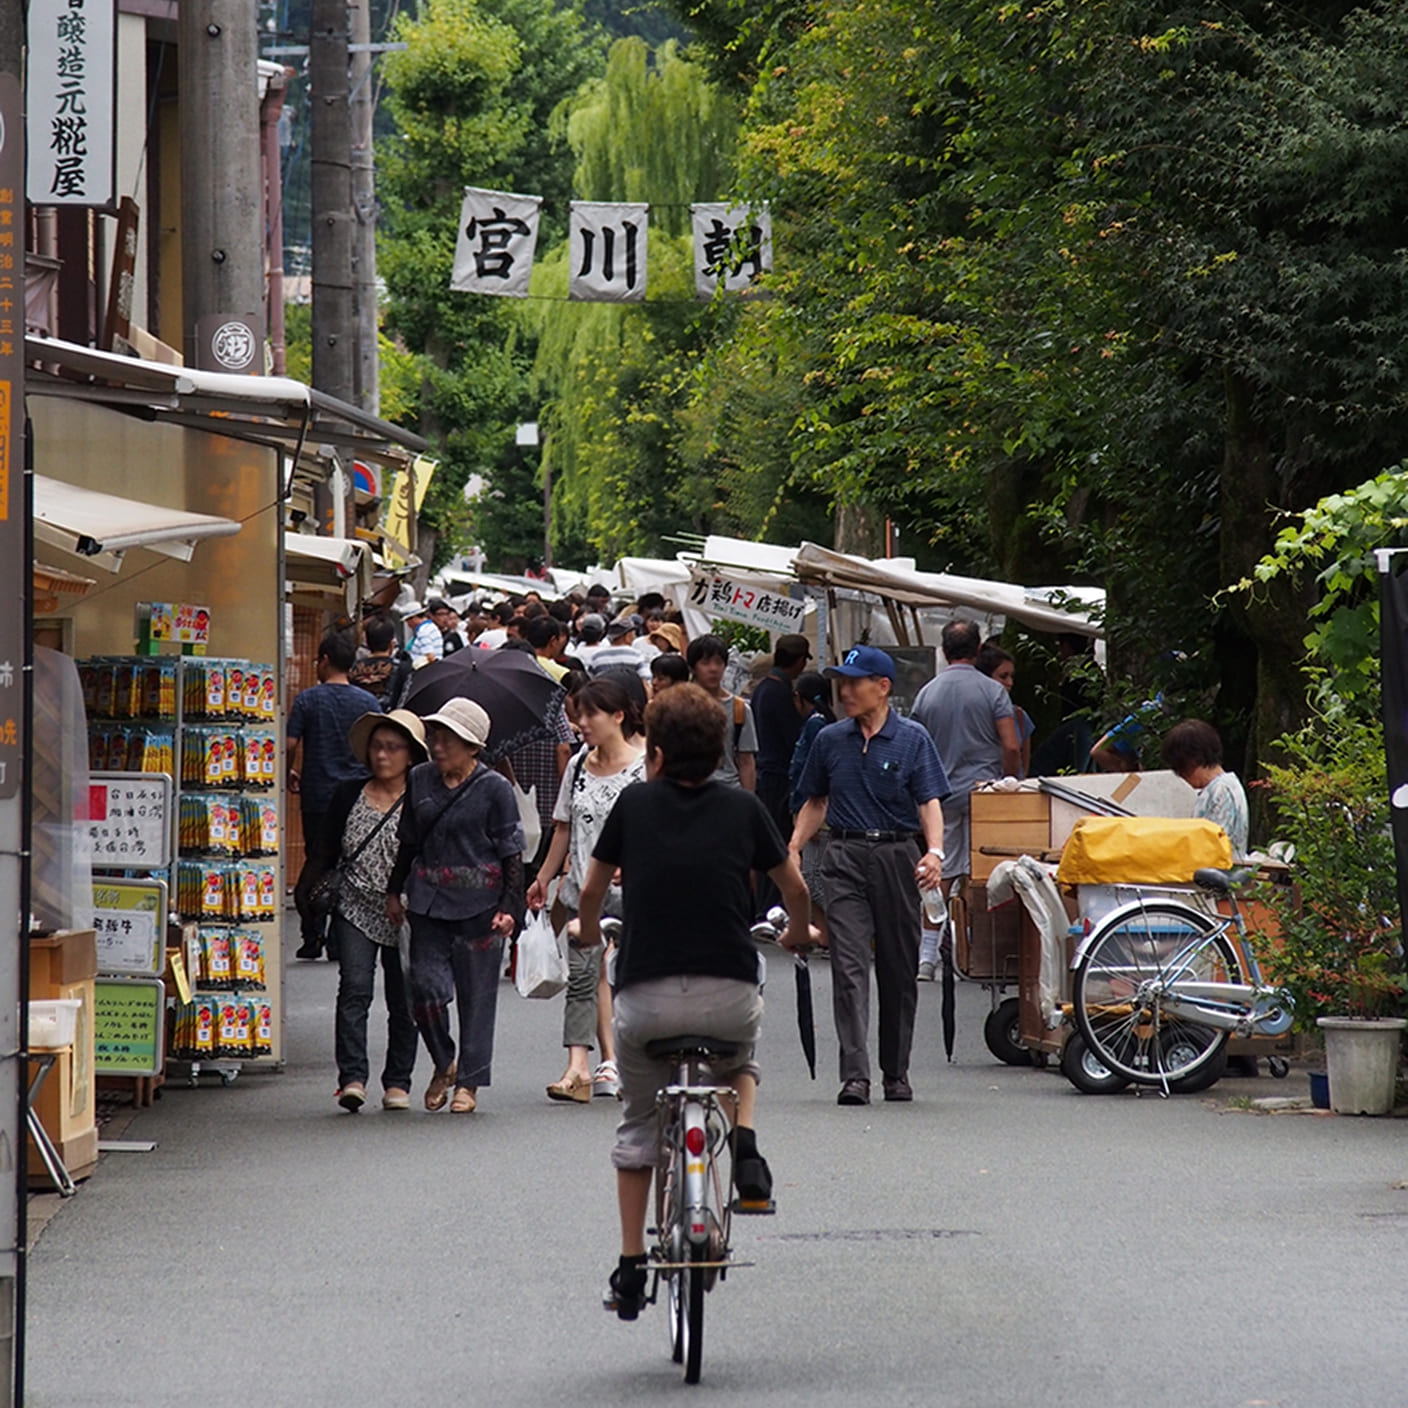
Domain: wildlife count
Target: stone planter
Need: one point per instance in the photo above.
(1362, 1058)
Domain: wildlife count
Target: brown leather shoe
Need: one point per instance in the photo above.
(898, 1088)
(438, 1090)
(854, 1092)
(464, 1101)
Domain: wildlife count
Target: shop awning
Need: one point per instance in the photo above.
(820, 566)
(345, 565)
(276, 411)
(101, 527)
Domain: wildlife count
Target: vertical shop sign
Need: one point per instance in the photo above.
(1393, 663)
(12, 499)
(72, 87)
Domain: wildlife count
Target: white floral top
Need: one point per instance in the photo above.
(584, 801)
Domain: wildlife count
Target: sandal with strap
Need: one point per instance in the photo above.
(464, 1102)
(571, 1087)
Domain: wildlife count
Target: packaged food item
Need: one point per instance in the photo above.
(216, 963)
(261, 1037)
(249, 958)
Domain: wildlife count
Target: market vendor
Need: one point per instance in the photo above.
(1193, 750)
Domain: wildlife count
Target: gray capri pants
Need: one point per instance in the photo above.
(726, 1008)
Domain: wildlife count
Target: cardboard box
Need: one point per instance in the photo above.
(62, 959)
(1011, 821)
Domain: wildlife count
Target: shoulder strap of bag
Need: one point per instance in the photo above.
(375, 831)
(459, 792)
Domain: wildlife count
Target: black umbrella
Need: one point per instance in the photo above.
(946, 1006)
(806, 1021)
(509, 685)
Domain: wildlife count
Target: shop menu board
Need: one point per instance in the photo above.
(130, 919)
(129, 1025)
(129, 820)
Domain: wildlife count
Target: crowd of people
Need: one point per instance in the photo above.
(655, 779)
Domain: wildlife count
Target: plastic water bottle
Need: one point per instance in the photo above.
(934, 907)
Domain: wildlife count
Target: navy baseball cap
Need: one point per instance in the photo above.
(861, 661)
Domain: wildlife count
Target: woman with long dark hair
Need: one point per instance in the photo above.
(609, 719)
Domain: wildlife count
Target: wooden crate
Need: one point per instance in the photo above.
(64, 966)
(986, 940)
(1015, 821)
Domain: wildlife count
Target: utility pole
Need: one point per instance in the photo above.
(334, 309)
(222, 185)
(16, 703)
(368, 360)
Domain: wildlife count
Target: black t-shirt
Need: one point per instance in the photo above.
(685, 855)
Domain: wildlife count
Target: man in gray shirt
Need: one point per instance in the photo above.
(969, 716)
(707, 658)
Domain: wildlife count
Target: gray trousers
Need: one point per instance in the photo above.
(872, 903)
(579, 1011)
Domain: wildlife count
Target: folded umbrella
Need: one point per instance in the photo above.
(519, 697)
(806, 1020)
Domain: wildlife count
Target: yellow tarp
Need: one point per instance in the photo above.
(1141, 850)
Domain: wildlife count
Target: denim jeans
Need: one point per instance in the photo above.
(356, 985)
(457, 960)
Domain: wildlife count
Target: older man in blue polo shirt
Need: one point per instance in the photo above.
(877, 779)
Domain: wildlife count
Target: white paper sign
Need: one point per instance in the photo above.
(732, 247)
(497, 240)
(607, 254)
(129, 820)
(69, 97)
(719, 595)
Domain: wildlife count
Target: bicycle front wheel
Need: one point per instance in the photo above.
(1132, 965)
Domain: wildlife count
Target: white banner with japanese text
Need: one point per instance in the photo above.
(70, 91)
(734, 599)
(607, 253)
(497, 240)
(732, 247)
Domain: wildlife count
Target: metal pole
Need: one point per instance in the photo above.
(363, 180)
(16, 591)
(274, 218)
(547, 514)
(222, 215)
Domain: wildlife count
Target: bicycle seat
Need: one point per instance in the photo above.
(704, 1047)
(1223, 882)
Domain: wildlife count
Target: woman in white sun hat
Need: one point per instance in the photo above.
(460, 870)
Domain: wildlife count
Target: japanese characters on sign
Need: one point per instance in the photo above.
(129, 820)
(497, 239)
(71, 91)
(607, 252)
(12, 499)
(607, 247)
(129, 1026)
(130, 919)
(732, 247)
(719, 595)
(177, 621)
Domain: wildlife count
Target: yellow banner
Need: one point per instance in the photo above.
(396, 511)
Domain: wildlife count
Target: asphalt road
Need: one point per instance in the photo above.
(1002, 1241)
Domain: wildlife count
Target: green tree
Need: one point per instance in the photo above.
(473, 97)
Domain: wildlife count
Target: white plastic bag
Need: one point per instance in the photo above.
(542, 959)
(528, 817)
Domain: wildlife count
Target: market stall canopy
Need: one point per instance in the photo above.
(345, 566)
(101, 527)
(818, 566)
(276, 411)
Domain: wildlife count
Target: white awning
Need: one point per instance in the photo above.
(820, 566)
(346, 555)
(344, 565)
(101, 527)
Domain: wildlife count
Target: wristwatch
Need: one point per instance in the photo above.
(937, 851)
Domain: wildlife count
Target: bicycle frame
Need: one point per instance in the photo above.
(1239, 1008)
(685, 1106)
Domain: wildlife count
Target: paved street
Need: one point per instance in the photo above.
(1001, 1241)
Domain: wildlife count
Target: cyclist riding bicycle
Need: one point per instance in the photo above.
(686, 963)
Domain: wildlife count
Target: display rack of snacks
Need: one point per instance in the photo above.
(211, 725)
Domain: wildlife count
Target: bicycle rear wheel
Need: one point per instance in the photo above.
(1132, 963)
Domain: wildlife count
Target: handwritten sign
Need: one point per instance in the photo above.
(129, 820)
(129, 1026)
(718, 595)
(130, 919)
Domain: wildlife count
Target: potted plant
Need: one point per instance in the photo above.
(1339, 952)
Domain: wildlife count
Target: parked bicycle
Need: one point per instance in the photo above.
(1159, 986)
